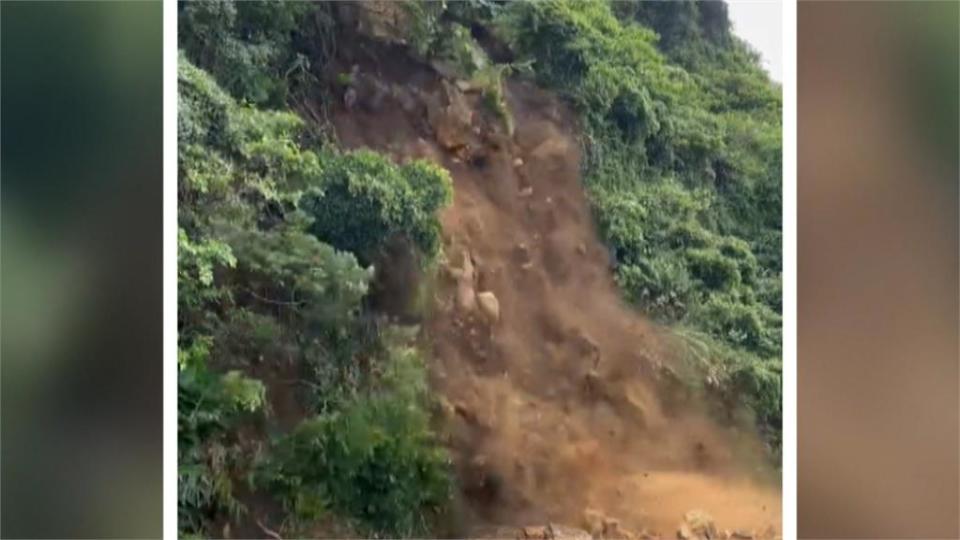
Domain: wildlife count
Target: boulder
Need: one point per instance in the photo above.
(450, 117)
(489, 306)
(535, 532)
(698, 525)
(562, 532)
(593, 521)
(465, 277)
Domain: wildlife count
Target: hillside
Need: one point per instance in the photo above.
(476, 269)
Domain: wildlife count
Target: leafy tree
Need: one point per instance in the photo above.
(363, 200)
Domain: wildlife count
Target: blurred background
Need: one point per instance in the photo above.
(878, 398)
(81, 282)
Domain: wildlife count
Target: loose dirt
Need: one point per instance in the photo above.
(567, 401)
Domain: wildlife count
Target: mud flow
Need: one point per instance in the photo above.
(560, 404)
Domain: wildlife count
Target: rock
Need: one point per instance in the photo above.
(527, 191)
(700, 523)
(586, 347)
(562, 532)
(517, 162)
(582, 248)
(465, 277)
(684, 532)
(451, 122)
(593, 521)
(539, 532)
(613, 531)
(489, 305)
(447, 409)
(633, 402)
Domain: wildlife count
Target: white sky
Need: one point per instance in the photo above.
(759, 23)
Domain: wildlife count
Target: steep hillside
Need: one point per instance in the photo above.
(515, 266)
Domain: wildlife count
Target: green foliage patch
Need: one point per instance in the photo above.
(375, 460)
(275, 240)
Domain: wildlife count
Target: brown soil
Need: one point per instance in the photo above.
(570, 400)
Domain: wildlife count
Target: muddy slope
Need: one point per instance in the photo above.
(565, 401)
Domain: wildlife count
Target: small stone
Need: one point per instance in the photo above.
(522, 251)
(582, 248)
(527, 191)
(684, 533)
(518, 162)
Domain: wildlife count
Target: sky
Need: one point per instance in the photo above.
(759, 23)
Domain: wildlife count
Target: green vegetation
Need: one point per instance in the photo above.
(374, 460)
(280, 231)
(267, 283)
(683, 139)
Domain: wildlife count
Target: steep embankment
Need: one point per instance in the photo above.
(566, 401)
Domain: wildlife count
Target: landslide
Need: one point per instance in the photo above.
(562, 404)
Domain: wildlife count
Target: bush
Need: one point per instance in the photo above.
(376, 461)
(246, 46)
(209, 406)
(713, 268)
(363, 200)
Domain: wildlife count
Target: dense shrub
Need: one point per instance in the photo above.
(363, 200)
(246, 46)
(208, 407)
(375, 461)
